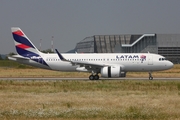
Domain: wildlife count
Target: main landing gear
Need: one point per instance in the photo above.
(94, 77)
(150, 76)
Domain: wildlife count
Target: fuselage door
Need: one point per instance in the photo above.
(150, 59)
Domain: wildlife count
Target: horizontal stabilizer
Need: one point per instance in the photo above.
(18, 57)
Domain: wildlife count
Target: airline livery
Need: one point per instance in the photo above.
(107, 64)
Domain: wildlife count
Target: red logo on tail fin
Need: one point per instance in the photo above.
(22, 46)
(18, 33)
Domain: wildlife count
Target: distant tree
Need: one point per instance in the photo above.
(1, 57)
(47, 51)
(6, 57)
(10, 54)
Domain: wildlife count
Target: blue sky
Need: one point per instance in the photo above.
(70, 21)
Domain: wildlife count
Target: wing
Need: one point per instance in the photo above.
(86, 64)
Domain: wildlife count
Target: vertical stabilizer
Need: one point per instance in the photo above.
(24, 46)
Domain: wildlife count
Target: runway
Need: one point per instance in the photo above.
(85, 79)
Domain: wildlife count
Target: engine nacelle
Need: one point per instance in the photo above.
(113, 72)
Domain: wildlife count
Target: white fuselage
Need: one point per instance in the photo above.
(127, 61)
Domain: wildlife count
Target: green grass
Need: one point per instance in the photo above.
(13, 64)
(116, 99)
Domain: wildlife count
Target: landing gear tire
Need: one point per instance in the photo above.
(151, 78)
(91, 77)
(96, 77)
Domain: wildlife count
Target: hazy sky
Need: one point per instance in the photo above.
(70, 21)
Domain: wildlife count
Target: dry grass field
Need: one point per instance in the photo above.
(90, 100)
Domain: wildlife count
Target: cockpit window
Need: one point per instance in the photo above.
(162, 59)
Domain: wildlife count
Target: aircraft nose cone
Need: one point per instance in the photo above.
(170, 65)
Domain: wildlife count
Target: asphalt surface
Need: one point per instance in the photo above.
(49, 79)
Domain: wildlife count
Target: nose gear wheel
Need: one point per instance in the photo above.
(150, 76)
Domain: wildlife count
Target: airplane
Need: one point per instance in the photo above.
(109, 65)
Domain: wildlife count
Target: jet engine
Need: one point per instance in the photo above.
(113, 72)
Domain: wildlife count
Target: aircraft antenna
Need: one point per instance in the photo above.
(52, 44)
(40, 44)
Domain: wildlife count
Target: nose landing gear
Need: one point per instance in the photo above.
(150, 76)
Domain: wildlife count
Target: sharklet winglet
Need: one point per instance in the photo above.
(60, 56)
